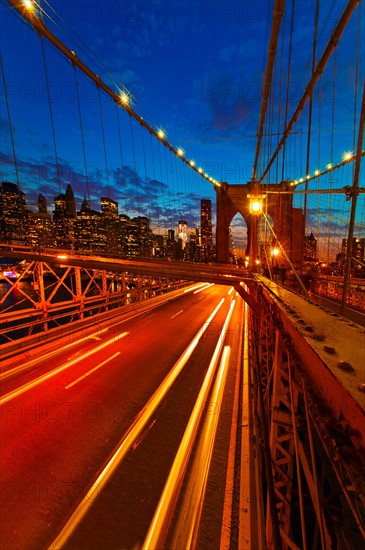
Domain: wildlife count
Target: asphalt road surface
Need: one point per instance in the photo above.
(90, 432)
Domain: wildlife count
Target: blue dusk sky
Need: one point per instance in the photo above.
(193, 68)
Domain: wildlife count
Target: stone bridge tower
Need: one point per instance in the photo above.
(288, 222)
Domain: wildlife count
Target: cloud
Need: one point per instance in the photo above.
(136, 195)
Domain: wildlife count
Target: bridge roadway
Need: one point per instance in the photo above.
(320, 342)
(71, 412)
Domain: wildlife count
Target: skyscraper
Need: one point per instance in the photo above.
(42, 204)
(206, 228)
(13, 214)
(64, 215)
(70, 202)
(109, 208)
(183, 233)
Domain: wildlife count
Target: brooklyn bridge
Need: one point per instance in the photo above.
(182, 303)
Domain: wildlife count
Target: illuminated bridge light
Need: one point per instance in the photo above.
(29, 4)
(180, 152)
(161, 133)
(347, 155)
(308, 176)
(256, 203)
(200, 170)
(192, 163)
(256, 207)
(317, 172)
(301, 180)
(329, 166)
(125, 98)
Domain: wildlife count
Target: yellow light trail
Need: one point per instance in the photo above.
(29, 385)
(130, 437)
(170, 493)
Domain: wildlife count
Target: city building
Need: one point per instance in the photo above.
(42, 204)
(110, 218)
(310, 248)
(40, 230)
(358, 254)
(109, 208)
(182, 233)
(64, 226)
(105, 233)
(13, 214)
(206, 229)
(89, 232)
(70, 203)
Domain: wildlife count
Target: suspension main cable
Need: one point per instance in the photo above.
(331, 46)
(277, 16)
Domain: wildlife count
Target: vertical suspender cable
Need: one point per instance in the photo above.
(10, 124)
(288, 76)
(146, 175)
(354, 195)
(51, 115)
(104, 144)
(82, 133)
(121, 160)
(135, 173)
(54, 141)
(279, 96)
(154, 177)
(162, 178)
(331, 152)
(168, 184)
(307, 163)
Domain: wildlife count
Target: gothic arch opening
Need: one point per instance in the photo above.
(238, 240)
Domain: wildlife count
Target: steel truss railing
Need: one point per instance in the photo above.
(56, 296)
(310, 460)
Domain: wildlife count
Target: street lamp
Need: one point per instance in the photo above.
(256, 210)
(256, 203)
